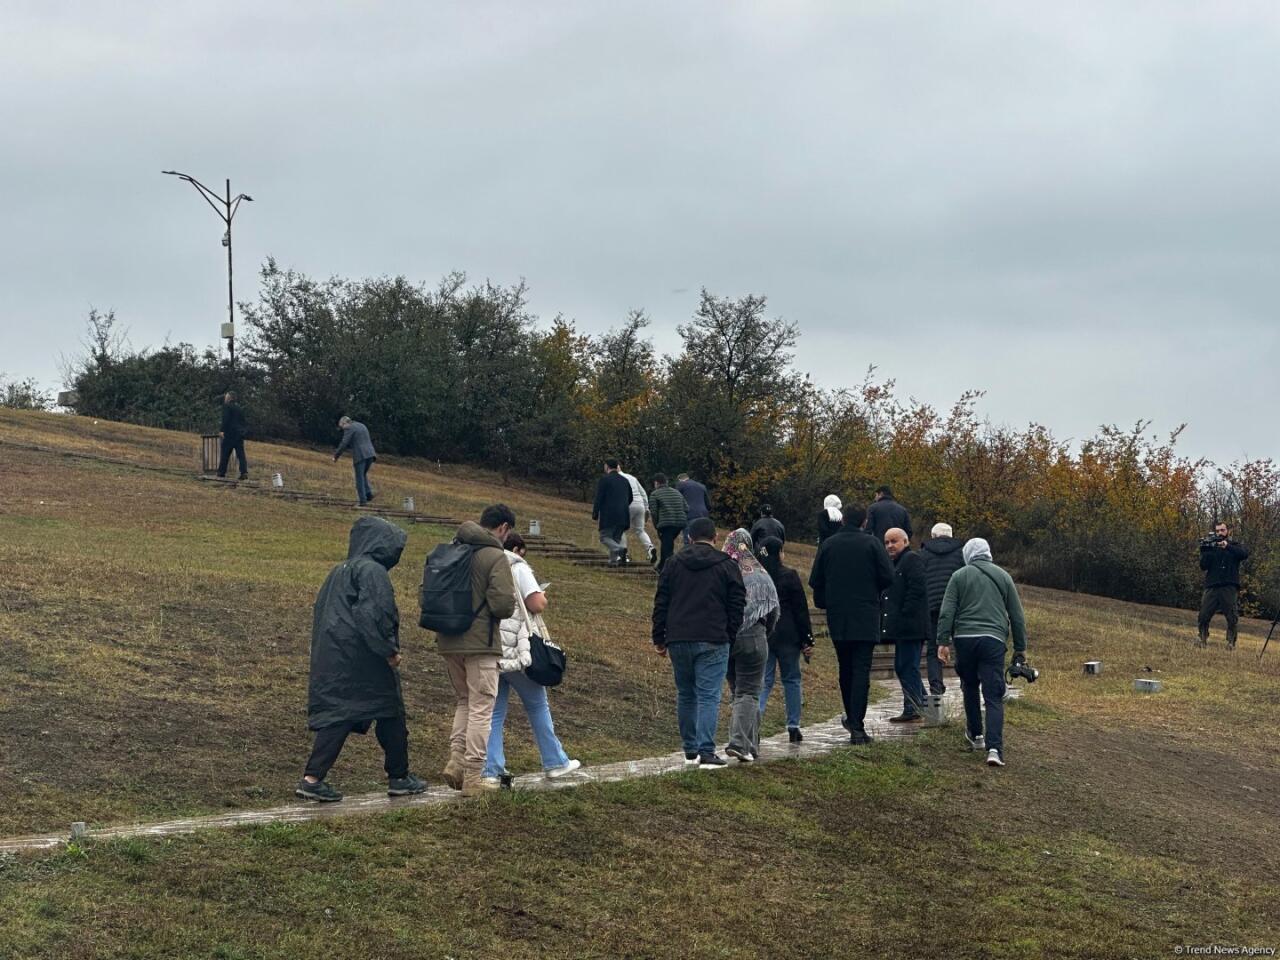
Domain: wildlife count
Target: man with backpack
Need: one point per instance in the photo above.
(467, 591)
(980, 608)
(355, 660)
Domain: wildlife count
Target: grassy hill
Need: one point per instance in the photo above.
(155, 635)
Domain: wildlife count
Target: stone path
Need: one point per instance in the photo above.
(819, 739)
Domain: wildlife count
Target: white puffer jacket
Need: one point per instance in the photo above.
(515, 630)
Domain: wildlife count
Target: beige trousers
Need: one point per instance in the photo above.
(475, 681)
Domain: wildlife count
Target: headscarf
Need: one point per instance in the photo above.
(832, 505)
(762, 595)
(769, 553)
(976, 549)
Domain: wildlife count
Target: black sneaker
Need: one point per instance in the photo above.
(844, 722)
(320, 791)
(406, 785)
(859, 738)
(794, 734)
(709, 761)
(653, 555)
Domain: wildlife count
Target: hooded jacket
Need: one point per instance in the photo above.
(493, 594)
(612, 505)
(848, 576)
(981, 601)
(906, 606)
(700, 598)
(942, 558)
(355, 629)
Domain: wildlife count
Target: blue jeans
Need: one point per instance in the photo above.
(537, 709)
(980, 663)
(786, 662)
(364, 492)
(699, 670)
(906, 664)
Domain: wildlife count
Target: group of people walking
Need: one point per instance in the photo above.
(734, 614)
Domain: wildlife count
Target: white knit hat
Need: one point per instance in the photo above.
(941, 530)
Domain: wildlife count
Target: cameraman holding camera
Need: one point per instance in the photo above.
(1220, 559)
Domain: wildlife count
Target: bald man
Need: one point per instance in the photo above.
(906, 621)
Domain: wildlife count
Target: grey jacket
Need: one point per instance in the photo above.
(356, 436)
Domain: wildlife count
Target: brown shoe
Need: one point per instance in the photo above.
(473, 784)
(453, 771)
(907, 718)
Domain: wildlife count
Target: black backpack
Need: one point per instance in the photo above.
(446, 590)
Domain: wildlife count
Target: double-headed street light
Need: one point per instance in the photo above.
(226, 211)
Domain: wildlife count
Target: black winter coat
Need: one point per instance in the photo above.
(794, 629)
(613, 502)
(701, 598)
(1221, 565)
(233, 422)
(767, 527)
(943, 556)
(826, 527)
(355, 628)
(851, 571)
(884, 515)
(906, 604)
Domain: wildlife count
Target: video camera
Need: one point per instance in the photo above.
(1211, 540)
(1020, 668)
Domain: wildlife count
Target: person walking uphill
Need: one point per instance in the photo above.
(355, 656)
(850, 572)
(670, 516)
(612, 508)
(697, 613)
(791, 637)
(906, 622)
(830, 518)
(232, 434)
(356, 436)
(767, 526)
(886, 513)
(942, 557)
(980, 608)
(638, 513)
(697, 501)
(750, 648)
(1220, 562)
(472, 657)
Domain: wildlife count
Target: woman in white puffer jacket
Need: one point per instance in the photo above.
(515, 632)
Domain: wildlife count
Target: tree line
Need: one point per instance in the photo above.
(463, 372)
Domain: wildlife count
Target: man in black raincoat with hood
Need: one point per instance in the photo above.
(355, 653)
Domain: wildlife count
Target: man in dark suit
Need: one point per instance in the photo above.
(612, 508)
(232, 433)
(906, 621)
(852, 569)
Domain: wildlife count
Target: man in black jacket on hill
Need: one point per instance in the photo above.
(612, 508)
(906, 621)
(943, 556)
(885, 514)
(232, 432)
(848, 576)
(767, 526)
(1220, 559)
(697, 613)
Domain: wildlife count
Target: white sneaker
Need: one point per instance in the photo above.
(993, 758)
(690, 759)
(496, 781)
(742, 756)
(569, 767)
(975, 743)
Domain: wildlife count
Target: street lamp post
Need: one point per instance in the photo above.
(226, 211)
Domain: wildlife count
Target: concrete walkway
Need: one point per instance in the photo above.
(819, 739)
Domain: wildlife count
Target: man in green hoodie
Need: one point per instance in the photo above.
(472, 657)
(979, 610)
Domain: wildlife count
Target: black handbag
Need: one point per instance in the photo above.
(547, 660)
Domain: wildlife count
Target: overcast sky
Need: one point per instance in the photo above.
(1071, 206)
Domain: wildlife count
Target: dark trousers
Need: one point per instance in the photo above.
(391, 732)
(364, 492)
(936, 684)
(1220, 600)
(980, 665)
(854, 660)
(906, 665)
(667, 544)
(224, 458)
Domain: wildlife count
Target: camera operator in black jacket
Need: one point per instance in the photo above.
(1220, 559)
